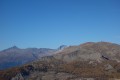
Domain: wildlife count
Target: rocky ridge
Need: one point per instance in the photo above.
(88, 61)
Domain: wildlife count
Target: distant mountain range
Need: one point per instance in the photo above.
(15, 56)
(88, 61)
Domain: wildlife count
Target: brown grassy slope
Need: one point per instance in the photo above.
(84, 69)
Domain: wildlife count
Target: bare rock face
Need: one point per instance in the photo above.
(99, 52)
(108, 67)
(18, 77)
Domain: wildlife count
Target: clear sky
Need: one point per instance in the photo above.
(51, 23)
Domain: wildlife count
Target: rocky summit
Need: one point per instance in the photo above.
(88, 61)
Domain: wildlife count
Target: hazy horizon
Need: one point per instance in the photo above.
(51, 23)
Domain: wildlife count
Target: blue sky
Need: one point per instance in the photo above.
(51, 23)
